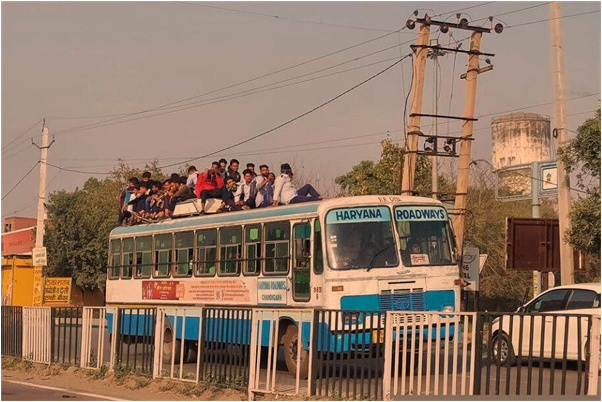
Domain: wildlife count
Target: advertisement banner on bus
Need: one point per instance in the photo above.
(233, 290)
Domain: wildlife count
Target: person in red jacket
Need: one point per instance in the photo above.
(209, 184)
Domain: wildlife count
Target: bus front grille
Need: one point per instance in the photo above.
(402, 300)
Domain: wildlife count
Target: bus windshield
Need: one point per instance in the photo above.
(361, 237)
(425, 236)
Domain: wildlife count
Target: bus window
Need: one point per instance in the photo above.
(230, 244)
(302, 258)
(425, 236)
(115, 260)
(361, 238)
(252, 249)
(277, 236)
(318, 255)
(163, 245)
(128, 258)
(206, 243)
(144, 259)
(184, 253)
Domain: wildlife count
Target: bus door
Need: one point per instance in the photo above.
(301, 276)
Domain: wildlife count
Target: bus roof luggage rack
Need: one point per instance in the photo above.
(194, 207)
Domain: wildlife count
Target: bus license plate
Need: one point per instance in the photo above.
(378, 336)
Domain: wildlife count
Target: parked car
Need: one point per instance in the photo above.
(547, 313)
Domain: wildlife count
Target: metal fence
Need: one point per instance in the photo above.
(12, 330)
(66, 329)
(135, 339)
(534, 354)
(97, 344)
(37, 334)
(348, 355)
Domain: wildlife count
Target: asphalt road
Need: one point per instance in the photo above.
(21, 391)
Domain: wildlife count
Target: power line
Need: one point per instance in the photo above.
(245, 81)
(464, 9)
(278, 17)
(295, 118)
(4, 146)
(556, 18)
(19, 182)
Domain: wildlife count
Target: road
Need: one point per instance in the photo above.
(22, 391)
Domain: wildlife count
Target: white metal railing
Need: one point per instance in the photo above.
(98, 347)
(269, 380)
(37, 334)
(428, 354)
(593, 374)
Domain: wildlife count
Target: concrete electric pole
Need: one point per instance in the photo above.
(413, 129)
(42, 187)
(567, 270)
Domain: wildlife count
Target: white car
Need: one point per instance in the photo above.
(558, 304)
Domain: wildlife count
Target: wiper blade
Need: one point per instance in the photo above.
(388, 246)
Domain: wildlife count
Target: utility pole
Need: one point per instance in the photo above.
(413, 129)
(466, 144)
(42, 186)
(434, 54)
(567, 270)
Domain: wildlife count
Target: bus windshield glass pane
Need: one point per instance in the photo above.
(361, 238)
(425, 236)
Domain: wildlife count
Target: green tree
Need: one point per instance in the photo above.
(383, 177)
(583, 153)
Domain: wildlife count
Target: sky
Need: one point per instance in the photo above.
(175, 81)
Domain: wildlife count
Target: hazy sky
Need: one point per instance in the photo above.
(175, 80)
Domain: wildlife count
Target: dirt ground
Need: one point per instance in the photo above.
(121, 385)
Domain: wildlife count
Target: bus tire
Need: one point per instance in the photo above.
(168, 347)
(291, 343)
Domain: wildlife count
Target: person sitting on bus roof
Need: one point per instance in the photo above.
(155, 201)
(251, 167)
(265, 194)
(260, 181)
(223, 172)
(209, 185)
(181, 191)
(233, 170)
(247, 191)
(146, 178)
(139, 203)
(126, 196)
(229, 203)
(285, 193)
(192, 177)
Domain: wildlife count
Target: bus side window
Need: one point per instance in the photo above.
(277, 246)
(230, 244)
(206, 243)
(115, 259)
(184, 253)
(252, 250)
(318, 256)
(128, 258)
(302, 262)
(144, 256)
(163, 255)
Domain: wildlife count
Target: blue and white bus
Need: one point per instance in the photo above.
(367, 253)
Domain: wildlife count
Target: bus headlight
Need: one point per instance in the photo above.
(447, 309)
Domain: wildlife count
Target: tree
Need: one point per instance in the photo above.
(383, 177)
(583, 152)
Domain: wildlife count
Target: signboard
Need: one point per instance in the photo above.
(39, 257)
(57, 291)
(471, 267)
(18, 242)
(271, 290)
(549, 178)
(420, 214)
(533, 244)
(355, 215)
(230, 290)
(38, 287)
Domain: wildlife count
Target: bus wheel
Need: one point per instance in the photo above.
(291, 345)
(168, 347)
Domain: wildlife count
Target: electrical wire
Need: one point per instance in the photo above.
(405, 104)
(295, 118)
(4, 146)
(19, 182)
(278, 17)
(555, 18)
